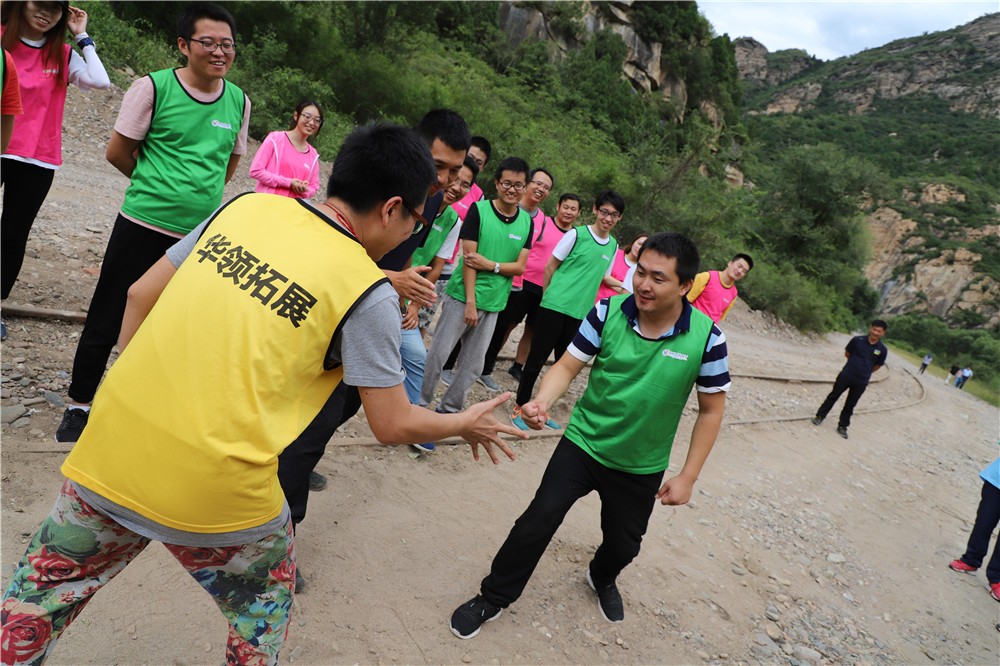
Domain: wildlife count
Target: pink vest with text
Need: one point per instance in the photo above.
(618, 271)
(715, 298)
(462, 205)
(38, 133)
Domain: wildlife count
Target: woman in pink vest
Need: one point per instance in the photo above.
(625, 260)
(285, 163)
(33, 34)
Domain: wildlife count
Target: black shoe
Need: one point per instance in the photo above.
(609, 601)
(472, 615)
(515, 370)
(72, 425)
(317, 482)
(300, 582)
(842, 431)
(817, 421)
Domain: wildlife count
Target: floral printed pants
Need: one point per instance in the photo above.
(78, 549)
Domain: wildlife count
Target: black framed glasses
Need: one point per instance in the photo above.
(508, 185)
(210, 45)
(420, 221)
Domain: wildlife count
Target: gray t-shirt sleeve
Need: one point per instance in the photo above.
(179, 251)
(369, 341)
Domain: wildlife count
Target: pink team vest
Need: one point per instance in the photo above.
(546, 236)
(715, 298)
(38, 133)
(618, 271)
(462, 205)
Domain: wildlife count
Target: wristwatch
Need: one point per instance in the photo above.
(496, 268)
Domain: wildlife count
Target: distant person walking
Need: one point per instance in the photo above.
(865, 354)
(963, 377)
(952, 374)
(927, 361)
(34, 34)
(987, 518)
(285, 163)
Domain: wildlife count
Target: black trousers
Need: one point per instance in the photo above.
(553, 331)
(987, 518)
(854, 387)
(132, 250)
(520, 304)
(25, 188)
(627, 501)
(299, 459)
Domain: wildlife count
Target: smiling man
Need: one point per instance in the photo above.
(179, 137)
(649, 349)
(714, 292)
(572, 276)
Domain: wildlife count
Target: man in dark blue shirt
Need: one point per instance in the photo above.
(865, 354)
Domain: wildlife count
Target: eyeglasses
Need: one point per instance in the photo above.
(609, 214)
(309, 118)
(507, 185)
(420, 221)
(210, 45)
(463, 186)
(543, 186)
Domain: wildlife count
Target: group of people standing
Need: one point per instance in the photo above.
(306, 312)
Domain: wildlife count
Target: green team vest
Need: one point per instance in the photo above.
(499, 242)
(227, 369)
(628, 415)
(574, 284)
(442, 226)
(181, 167)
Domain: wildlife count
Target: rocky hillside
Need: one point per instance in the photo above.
(924, 109)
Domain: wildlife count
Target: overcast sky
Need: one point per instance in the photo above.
(829, 30)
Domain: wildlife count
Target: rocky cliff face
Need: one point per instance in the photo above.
(643, 66)
(961, 65)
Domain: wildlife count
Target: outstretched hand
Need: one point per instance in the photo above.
(485, 429)
(411, 285)
(675, 491)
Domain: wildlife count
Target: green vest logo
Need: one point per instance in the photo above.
(672, 354)
(219, 123)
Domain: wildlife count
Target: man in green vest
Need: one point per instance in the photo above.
(649, 349)
(573, 274)
(496, 239)
(231, 344)
(179, 137)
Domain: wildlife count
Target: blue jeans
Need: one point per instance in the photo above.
(414, 358)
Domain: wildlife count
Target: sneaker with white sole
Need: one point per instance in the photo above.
(469, 618)
(554, 425)
(488, 382)
(72, 424)
(425, 447)
(962, 567)
(515, 418)
(609, 601)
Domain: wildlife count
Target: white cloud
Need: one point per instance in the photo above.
(830, 30)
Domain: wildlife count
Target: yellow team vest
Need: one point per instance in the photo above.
(226, 371)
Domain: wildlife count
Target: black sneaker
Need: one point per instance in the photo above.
(515, 371)
(468, 618)
(609, 601)
(72, 425)
(817, 421)
(842, 431)
(317, 482)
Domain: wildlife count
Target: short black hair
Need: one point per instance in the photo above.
(378, 161)
(482, 144)
(202, 10)
(881, 324)
(745, 257)
(515, 164)
(681, 248)
(569, 196)
(531, 176)
(613, 198)
(446, 125)
(472, 166)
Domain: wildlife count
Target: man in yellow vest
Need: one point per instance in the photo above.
(247, 325)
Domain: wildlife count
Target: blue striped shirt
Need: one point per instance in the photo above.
(713, 376)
